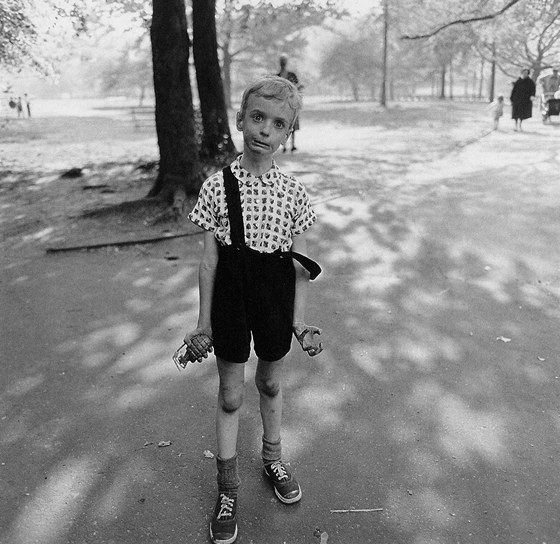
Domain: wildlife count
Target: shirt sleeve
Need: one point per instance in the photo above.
(204, 212)
(304, 213)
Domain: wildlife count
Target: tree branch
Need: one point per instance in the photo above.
(466, 21)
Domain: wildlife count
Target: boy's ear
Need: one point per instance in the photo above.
(239, 121)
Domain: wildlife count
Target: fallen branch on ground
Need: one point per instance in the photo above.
(353, 510)
(120, 243)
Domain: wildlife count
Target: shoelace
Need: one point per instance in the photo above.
(279, 470)
(226, 506)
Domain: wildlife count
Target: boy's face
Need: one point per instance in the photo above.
(265, 125)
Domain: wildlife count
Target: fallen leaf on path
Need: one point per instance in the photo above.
(324, 538)
(146, 444)
(208, 454)
(164, 443)
(503, 339)
(541, 359)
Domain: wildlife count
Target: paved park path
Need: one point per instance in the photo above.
(437, 399)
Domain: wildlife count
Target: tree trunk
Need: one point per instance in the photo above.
(216, 139)
(383, 91)
(492, 90)
(355, 87)
(450, 80)
(180, 171)
(227, 61)
(481, 80)
(442, 81)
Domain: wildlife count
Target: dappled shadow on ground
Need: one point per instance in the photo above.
(40, 205)
(436, 398)
(415, 407)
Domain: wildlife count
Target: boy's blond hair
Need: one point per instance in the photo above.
(273, 88)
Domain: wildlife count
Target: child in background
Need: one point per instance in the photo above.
(497, 110)
(253, 280)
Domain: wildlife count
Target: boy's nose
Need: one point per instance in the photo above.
(265, 128)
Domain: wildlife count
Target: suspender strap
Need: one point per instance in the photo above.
(311, 266)
(237, 234)
(235, 214)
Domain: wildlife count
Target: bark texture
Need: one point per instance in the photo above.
(180, 171)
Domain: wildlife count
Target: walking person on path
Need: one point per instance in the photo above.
(523, 92)
(253, 280)
(497, 110)
(292, 78)
(27, 104)
(19, 107)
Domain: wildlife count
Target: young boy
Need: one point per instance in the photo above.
(497, 110)
(252, 285)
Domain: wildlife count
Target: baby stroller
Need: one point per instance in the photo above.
(549, 106)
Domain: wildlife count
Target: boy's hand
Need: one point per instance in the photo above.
(305, 335)
(198, 344)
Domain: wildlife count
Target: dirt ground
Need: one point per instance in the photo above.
(434, 409)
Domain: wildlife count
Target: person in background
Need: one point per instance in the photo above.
(521, 98)
(292, 78)
(497, 110)
(27, 104)
(551, 82)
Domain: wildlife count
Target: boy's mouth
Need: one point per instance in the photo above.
(258, 143)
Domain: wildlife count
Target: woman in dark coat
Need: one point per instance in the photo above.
(521, 105)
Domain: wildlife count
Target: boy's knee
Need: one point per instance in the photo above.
(269, 388)
(231, 401)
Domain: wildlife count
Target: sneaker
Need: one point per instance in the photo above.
(285, 486)
(223, 527)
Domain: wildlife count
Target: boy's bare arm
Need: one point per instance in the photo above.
(305, 334)
(199, 340)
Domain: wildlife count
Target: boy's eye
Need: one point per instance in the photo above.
(257, 117)
(279, 124)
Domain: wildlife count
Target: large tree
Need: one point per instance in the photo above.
(180, 171)
(528, 36)
(216, 139)
(352, 63)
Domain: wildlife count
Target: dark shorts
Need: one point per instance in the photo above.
(253, 299)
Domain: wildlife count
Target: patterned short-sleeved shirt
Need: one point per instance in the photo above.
(275, 208)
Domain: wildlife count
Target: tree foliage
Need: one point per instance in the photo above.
(528, 36)
(253, 35)
(435, 16)
(353, 62)
(35, 34)
(18, 34)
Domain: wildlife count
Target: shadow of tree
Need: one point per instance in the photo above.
(436, 398)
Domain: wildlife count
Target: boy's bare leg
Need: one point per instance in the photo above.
(230, 400)
(268, 380)
(269, 384)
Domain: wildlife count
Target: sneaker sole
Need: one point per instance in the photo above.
(222, 541)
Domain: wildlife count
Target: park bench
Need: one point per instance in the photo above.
(143, 117)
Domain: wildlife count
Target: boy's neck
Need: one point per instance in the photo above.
(256, 165)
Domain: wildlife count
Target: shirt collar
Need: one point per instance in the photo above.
(270, 177)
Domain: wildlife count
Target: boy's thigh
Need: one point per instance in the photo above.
(230, 331)
(271, 310)
(231, 375)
